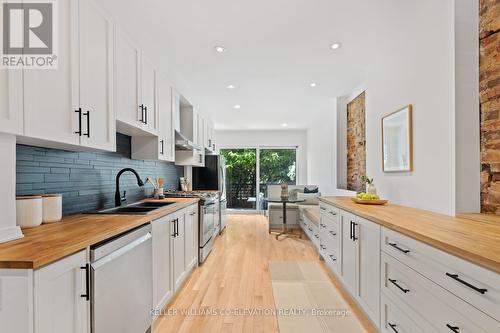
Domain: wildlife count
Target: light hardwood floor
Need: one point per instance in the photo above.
(236, 275)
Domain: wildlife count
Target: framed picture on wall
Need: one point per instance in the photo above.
(397, 141)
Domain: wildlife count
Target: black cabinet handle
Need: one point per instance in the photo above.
(322, 225)
(173, 235)
(333, 213)
(453, 328)
(87, 114)
(393, 327)
(79, 111)
(322, 208)
(354, 238)
(456, 278)
(333, 234)
(142, 112)
(323, 247)
(177, 227)
(394, 282)
(316, 236)
(161, 141)
(394, 245)
(332, 257)
(87, 281)
(350, 231)
(146, 115)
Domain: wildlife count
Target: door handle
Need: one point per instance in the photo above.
(87, 282)
(146, 115)
(142, 112)
(354, 238)
(350, 231)
(79, 111)
(394, 245)
(394, 282)
(177, 228)
(173, 235)
(465, 283)
(87, 114)
(161, 141)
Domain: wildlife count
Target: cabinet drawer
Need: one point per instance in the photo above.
(329, 226)
(476, 285)
(329, 211)
(398, 318)
(443, 310)
(331, 255)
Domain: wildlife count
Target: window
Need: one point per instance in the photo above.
(274, 165)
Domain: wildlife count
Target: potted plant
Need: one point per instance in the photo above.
(370, 187)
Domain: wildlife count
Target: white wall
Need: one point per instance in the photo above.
(8, 228)
(427, 57)
(268, 138)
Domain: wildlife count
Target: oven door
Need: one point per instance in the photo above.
(207, 221)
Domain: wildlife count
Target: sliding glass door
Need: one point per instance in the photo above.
(251, 170)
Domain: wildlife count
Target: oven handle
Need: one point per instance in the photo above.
(121, 251)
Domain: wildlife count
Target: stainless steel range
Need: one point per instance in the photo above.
(208, 224)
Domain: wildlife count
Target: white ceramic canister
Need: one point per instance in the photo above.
(29, 211)
(52, 208)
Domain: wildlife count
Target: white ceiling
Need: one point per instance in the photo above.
(274, 50)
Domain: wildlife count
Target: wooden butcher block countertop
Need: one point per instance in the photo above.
(50, 242)
(473, 237)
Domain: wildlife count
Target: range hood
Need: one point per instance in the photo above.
(183, 143)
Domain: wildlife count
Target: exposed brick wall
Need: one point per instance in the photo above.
(489, 77)
(356, 143)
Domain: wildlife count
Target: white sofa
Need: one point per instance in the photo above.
(294, 212)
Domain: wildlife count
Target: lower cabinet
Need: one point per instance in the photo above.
(162, 261)
(191, 240)
(179, 250)
(60, 296)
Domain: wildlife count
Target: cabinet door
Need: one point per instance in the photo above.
(51, 97)
(179, 258)
(368, 235)
(96, 77)
(58, 303)
(162, 281)
(191, 240)
(165, 121)
(127, 80)
(176, 110)
(148, 95)
(11, 100)
(201, 132)
(349, 253)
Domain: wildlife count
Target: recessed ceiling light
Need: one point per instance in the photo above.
(230, 86)
(237, 106)
(335, 46)
(284, 125)
(313, 84)
(220, 49)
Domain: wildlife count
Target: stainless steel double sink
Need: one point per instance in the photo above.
(140, 208)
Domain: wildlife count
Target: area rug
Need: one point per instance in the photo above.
(307, 301)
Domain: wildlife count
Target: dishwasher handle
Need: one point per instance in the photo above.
(121, 251)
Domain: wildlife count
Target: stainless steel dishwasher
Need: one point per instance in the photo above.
(121, 283)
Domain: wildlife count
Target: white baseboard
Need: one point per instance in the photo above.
(10, 233)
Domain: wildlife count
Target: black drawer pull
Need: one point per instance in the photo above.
(310, 229)
(333, 213)
(354, 238)
(162, 146)
(332, 257)
(323, 247)
(393, 326)
(142, 113)
(456, 278)
(333, 234)
(322, 225)
(146, 115)
(87, 114)
(316, 236)
(79, 111)
(322, 208)
(453, 328)
(394, 245)
(87, 282)
(394, 282)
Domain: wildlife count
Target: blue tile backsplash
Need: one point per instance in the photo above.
(87, 179)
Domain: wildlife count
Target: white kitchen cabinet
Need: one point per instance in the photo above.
(128, 66)
(361, 262)
(148, 95)
(201, 132)
(176, 110)
(191, 239)
(74, 105)
(161, 147)
(60, 303)
(179, 252)
(96, 57)
(162, 261)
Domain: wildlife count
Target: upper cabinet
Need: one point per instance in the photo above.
(11, 107)
(136, 91)
(176, 110)
(74, 104)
